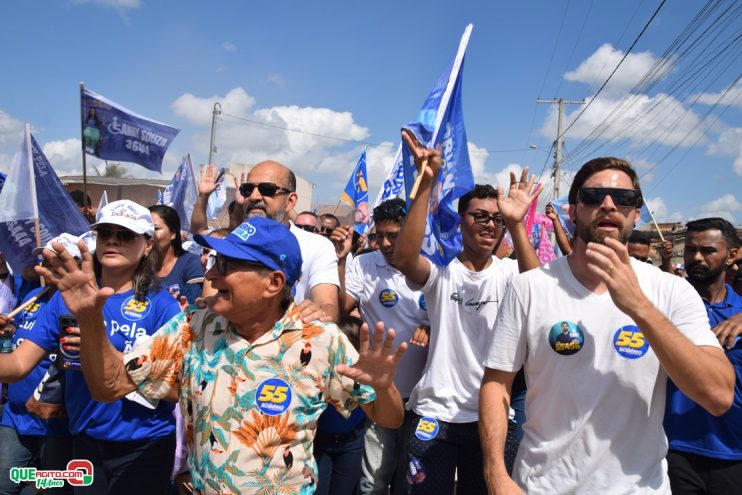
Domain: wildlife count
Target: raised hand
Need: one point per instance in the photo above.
(611, 262)
(551, 212)
(521, 194)
(77, 284)
(421, 154)
(342, 238)
(375, 367)
(207, 183)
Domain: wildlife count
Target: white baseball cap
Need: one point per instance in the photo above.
(127, 214)
(69, 243)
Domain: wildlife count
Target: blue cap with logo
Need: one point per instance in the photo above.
(263, 241)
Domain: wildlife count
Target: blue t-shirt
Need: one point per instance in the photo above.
(126, 319)
(334, 423)
(15, 415)
(187, 267)
(688, 426)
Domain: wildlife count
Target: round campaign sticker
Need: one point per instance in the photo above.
(273, 396)
(421, 302)
(427, 429)
(388, 298)
(566, 338)
(134, 310)
(629, 342)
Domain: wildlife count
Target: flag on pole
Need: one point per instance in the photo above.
(441, 123)
(182, 192)
(30, 172)
(218, 197)
(103, 200)
(112, 132)
(394, 181)
(356, 194)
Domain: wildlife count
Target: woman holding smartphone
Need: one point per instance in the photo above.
(130, 442)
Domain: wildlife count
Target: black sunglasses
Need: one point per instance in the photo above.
(123, 236)
(308, 228)
(267, 189)
(483, 218)
(593, 196)
(222, 264)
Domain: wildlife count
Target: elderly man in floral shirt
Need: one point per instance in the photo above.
(251, 377)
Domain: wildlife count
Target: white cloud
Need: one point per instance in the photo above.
(658, 207)
(10, 129)
(230, 47)
(199, 110)
(241, 142)
(277, 79)
(733, 96)
(729, 143)
(724, 207)
(117, 4)
(597, 67)
(647, 119)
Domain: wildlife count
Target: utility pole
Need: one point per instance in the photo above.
(558, 143)
(212, 148)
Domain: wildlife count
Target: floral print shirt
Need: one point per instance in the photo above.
(250, 409)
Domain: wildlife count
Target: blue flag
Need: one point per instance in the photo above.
(112, 132)
(2, 180)
(356, 194)
(441, 122)
(182, 192)
(30, 173)
(218, 197)
(394, 181)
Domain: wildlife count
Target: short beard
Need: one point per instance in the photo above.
(591, 233)
(253, 212)
(704, 278)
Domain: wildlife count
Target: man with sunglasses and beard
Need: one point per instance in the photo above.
(595, 407)
(270, 192)
(705, 451)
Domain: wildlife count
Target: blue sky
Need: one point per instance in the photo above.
(358, 71)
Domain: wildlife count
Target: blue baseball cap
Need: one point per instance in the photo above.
(263, 241)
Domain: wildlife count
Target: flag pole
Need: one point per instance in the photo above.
(82, 144)
(336, 208)
(34, 204)
(656, 226)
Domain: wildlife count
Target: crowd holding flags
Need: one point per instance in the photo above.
(441, 123)
(34, 206)
(356, 195)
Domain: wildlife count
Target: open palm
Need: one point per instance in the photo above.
(521, 194)
(375, 367)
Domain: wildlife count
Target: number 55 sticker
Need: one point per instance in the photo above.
(427, 429)
(273, 396)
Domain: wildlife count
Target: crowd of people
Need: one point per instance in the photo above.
(296, 355)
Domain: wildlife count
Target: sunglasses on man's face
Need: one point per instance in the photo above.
(123, 236)
(308, 228)
(267, 189)
(594, 196)
(483, 218)
(222, 264)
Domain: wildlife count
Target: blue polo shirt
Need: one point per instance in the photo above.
(126, 319)
(688, 426)
(14, 413)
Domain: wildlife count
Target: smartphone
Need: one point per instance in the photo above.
(220, 175)
(70, 359)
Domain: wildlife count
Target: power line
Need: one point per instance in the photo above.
(479, 151)
(646, 26)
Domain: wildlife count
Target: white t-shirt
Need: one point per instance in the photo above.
(596, 391)
(462, 306)
(319, 262)
(382, 294)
